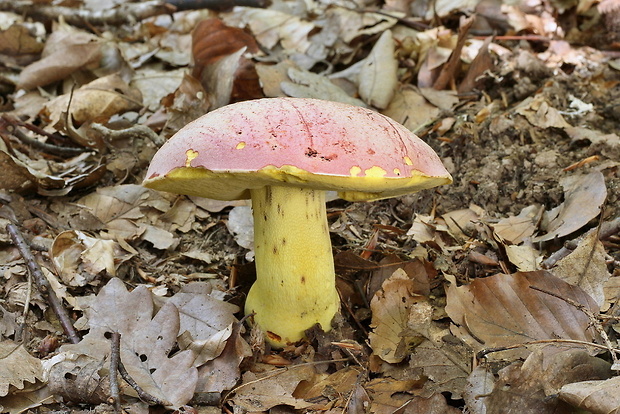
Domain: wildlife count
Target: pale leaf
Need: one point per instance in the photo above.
(584, 196)
(400, 318)
(17, 367)
(586, 267)
(598, 397)
(377, 77)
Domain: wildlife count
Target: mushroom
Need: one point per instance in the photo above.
(284, 153)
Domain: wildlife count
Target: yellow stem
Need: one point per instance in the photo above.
(295, 286)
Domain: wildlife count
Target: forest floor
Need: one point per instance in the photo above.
(495, 294)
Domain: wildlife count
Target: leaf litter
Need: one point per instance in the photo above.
(496, 294)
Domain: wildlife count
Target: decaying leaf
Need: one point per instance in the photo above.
(584, 196)
(586, 267)
(17, 368)
(66, 51)
(146, 341)
(377, 77)
(410, 108)
(260, 392)
(400, 318)
(446, 364)
(516, 229)
(79, 258)
(95, 101)
(305, 84)
(597, 397)
(540, 113)
(504, 310)
(533, 385)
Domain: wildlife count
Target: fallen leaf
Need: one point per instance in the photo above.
(410, 108)
(586, 267)
(446, 364)
(400, 318)
(597, 397)
(540, 113)
(377, 76)
(503, 310)
(305, 84)
(525, 258)
(584, 196)
(533, 385)
(17, 368)
(79, 258)
(260, 392)
(516, 229)
(146, 341)
(95, 101)
(66, 50)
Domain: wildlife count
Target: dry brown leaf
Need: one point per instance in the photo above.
(260, 392)
(445, 364)
(96, 101)
(334, 389)
(461, 222)
(78, 378)
(271, 27)
(533, 385)
(17, 368)
(418, 271)
(540, 113)
(481, 64)
(305, 84)
(584, 196)
(79, 258)
(597, 397)
(580, 134)
(18, 40)
(146, 341)
(516, 229)
(525, 258)
(154, 85)
(410, 108)
(223, 372)
(377, 77)
(387, 394)
(205, 319)
(66, 50)
(435, 404)
(400, 318)
(188, 102)
(504, 310)
(586, 267)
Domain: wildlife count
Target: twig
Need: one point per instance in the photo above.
(126, 13)
(11, 126)
(483, 353)
(143, 395)
(115, 357)
(42, 284)
(135, 131)
(44, 146)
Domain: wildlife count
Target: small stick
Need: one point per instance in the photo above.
(483, 353)
(143, 395)
(115, 357)
(42, 284)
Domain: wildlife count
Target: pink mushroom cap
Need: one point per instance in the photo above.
(307, 143)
